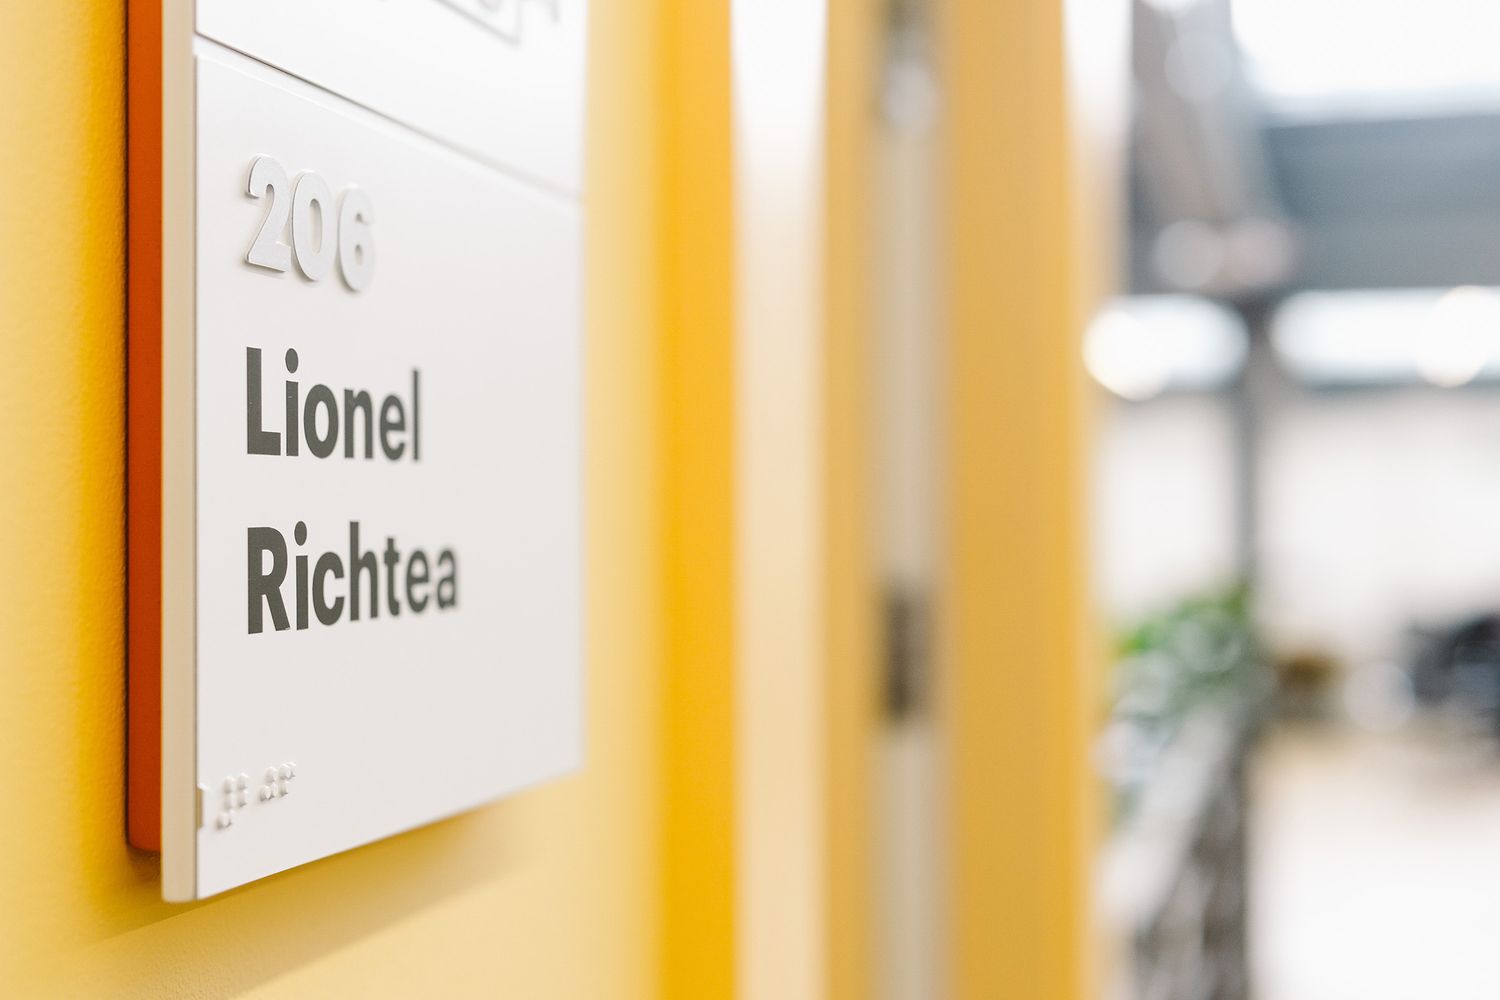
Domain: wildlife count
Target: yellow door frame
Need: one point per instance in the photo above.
(850, 590)
(712, 945)
(1029, 150)
(697, 516)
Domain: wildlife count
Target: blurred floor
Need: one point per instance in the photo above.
(1375, 862)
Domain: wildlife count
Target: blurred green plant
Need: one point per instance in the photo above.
(1202, 651)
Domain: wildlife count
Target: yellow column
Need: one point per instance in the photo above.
(697, 503)
(1015, 690)
(850, 591)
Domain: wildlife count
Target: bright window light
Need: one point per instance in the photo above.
(1141, 346)
(1461, 336)
(1354, 51)
(1447, 339)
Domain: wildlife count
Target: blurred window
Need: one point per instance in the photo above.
(1141, 346)
(1353, 54)
(1445, 338)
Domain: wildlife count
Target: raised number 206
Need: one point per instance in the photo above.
(309, 203)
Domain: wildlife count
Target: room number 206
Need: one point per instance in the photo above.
(308, 203)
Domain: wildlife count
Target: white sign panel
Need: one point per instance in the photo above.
(371, 442)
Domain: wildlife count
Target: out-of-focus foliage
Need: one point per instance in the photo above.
(1202, 651)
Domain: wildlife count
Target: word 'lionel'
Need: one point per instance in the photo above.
(317, 419)
(312, 589)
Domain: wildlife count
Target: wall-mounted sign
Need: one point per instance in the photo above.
(355, 420)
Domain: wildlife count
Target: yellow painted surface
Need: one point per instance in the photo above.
(616, 883)
(697, 376)
(1016, 684)
(851, 592)
(551, 894)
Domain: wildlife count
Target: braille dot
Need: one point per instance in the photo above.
(291, 360)
(300, 533)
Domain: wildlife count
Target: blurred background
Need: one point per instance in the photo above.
(1293, 486)
(1295, 463)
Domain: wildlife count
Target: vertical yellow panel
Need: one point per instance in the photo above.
(1015, 687)
(698, 502)
(62, 404)
(850, 589)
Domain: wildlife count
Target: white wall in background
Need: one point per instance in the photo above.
(1163, 502)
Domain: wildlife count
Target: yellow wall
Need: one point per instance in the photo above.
(618, 882)
(1027, 178)
(551, 894)
(850, 593)
(697, 421)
